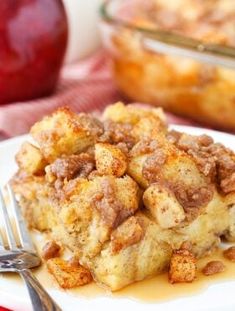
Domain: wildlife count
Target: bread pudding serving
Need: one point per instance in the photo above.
(128, 197)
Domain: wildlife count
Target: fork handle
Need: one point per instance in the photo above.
(40, 299)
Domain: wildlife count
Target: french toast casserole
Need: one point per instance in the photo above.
(181, 84)
(125, 194)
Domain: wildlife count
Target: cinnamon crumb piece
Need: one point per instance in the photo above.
(50, 250)
(111, 209)
(74, 262)
(186, 245)
(213, 267)
(70, 166)
(230, 253)
(144, 146)
(153, 164)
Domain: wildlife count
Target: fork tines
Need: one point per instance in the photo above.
(22, 231)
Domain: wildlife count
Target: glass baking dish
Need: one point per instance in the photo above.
(184, 75)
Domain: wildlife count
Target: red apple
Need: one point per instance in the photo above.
(33, 37)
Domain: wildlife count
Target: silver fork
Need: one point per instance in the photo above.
(22, 258)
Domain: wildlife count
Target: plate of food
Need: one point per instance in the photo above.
(125, 211)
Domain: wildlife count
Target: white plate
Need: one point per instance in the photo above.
(219, 296)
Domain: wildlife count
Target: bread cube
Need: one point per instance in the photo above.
(132, 113)
(135, 169)
(110, 160)
(63, 133)
(148, 126)
(163, 206)
(182, 267)
(128, 193)
(68, 276)
(30, 159)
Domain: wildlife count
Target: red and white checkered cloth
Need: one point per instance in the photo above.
(84, 86)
